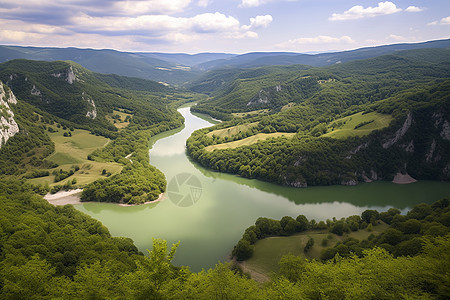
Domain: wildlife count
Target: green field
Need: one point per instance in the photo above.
(230, 131)
(358, 124)
(120, 122)
(248, 141)
(252, 113)
(73, 151)
(269, 251)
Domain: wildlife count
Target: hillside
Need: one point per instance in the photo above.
(142, 65)
(64, 126)
(252, 60)
(360, 121)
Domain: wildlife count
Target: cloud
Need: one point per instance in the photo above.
(359, 12)
(252, 3)
(259, 22)
(203, 3)
(414, 9)
(172, 28)
(443, 21)
(318, 40)
(256, 3)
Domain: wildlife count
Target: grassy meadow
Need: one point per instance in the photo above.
(248, 141)
(268, 252)
(72, 151)
(230, 131)
(358, 124)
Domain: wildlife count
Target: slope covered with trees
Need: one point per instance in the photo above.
(58, 252)
(63, 95)
(411, 88)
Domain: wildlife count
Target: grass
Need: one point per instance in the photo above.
(252, 113)
(351, 125)
(73, 151)
(230, 131)
(119, 123)
(248, 141)
(269, 251)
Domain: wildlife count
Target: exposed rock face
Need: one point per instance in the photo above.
(35, 91)
(410, 147)
(68, 75)
(8, 126)
(350, 182)
(430, 153)
(400, 133)
(93, 112)
(357, 149)
(264, 95)
(445, 133)
(295, 183)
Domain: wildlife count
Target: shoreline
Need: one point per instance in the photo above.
(403, 179)
(74, 197)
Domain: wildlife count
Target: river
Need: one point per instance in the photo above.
(209, 211)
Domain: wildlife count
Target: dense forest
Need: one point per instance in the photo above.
(411, 88)
(58, 252)
(63, 95)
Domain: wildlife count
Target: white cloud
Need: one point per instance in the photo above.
(399, 38)
(203, 3)
(173, 28)
(414, 9)
(259, 22)
(136, 8)
(255, 3)
(252, 3)
(443, 21)
(318, 40)
(359, 12)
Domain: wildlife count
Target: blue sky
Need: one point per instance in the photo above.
(232, 26)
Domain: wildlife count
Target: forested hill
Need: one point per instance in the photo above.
(359, 121)
(52, 252)
(69, 127)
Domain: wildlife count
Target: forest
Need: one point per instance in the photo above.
(61, 95)
(58, 252)
(413, 90)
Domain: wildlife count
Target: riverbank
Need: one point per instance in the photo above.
(73, 197)
(403, 179)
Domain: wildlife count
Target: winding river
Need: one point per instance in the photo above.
(208, 211)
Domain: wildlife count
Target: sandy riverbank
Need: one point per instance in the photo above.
(74, 197)
(403, 179)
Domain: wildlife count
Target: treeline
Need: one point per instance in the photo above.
(139, 182)
(404, 237)
(310, 159)
(52, 252)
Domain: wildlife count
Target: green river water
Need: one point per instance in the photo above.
(209, 211)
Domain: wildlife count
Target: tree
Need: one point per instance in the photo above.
(243, 250)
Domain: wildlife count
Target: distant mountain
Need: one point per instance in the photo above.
(146, 66)
(259, 59)
(190, 60)
(76, 94)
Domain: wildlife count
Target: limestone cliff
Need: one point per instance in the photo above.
(8, 126)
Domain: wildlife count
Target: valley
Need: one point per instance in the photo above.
(276, 167)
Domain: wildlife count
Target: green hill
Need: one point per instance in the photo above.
(360, 121)
(63, 110)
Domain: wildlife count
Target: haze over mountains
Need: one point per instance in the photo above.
(178, 68)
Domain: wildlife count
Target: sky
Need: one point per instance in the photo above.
(227, 26)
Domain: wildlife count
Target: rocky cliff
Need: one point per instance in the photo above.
(8, 126)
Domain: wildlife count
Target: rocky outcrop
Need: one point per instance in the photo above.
(399, 133)
(298, 183)
(8, 126)
(264, 95)
(357, 149)
(445, 133)
(92, 113)
(35, 91)
(430, 153)
(68, 75)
